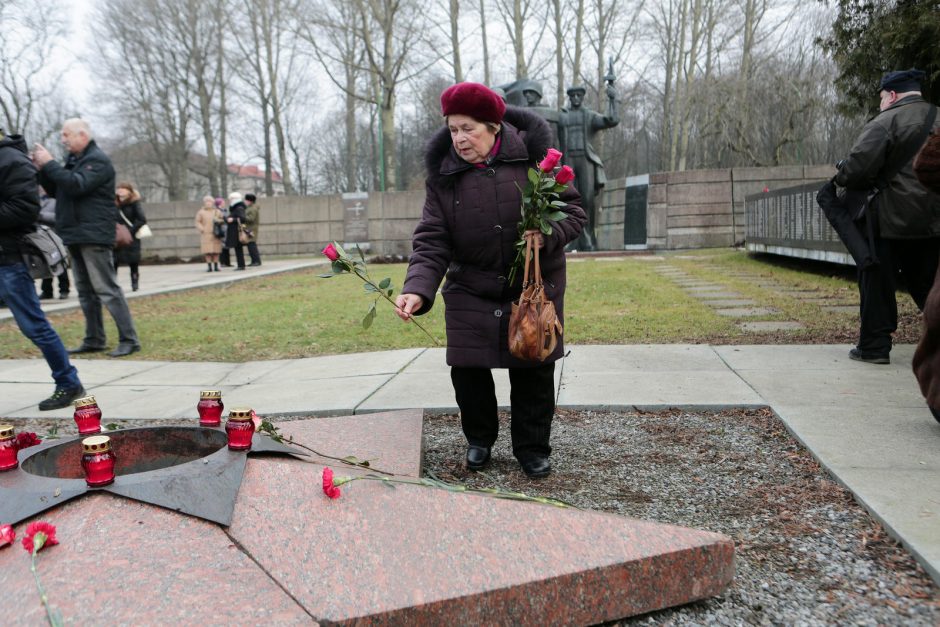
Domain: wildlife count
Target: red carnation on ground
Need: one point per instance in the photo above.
(26, 440)
(7, 535)
(330, 252)
(39, 534)
(328, 488)
(565, 175)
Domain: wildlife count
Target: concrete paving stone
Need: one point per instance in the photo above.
(705, 287)
(147, 565)
(244, 374)
(323, 396)
(845, 386)
(20, 400)
(655, 389)
(608, 259)
(817, 357)
(715, 295)
(335, 366)
(691, 283)
(191, 373)
(653, 258)
(729, 302)
(436, 390)
(742, 312)
(906, 502)
(91, 371)
(769, 326)
(639, 358)
(841, 309)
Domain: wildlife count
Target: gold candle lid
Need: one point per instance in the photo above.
(96, 444)
(239, 414)
(210, 394)
(85, 401)
(6, 431)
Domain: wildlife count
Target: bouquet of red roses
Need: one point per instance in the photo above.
(541, 203)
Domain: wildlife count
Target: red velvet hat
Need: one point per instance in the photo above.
(473, 99)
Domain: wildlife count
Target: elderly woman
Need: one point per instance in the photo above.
(208, 218)
(468, 229)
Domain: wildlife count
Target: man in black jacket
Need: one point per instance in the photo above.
(19, 210)
(85, 219)
(906, 215)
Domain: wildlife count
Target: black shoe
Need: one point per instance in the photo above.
(85, 348)
(255, 263)
(536, 466)
(62, 397)
(477, 456)
(239, 268)
(45, 297)
(868, 358)
(64, 296)
(123, 350)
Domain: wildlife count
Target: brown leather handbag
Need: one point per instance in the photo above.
(122, 236)
(534, 327)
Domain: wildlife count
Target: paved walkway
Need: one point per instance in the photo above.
(866, 424)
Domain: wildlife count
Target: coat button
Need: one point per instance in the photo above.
(500, 278)
(498, 313)
(490, 172)
(498, 228)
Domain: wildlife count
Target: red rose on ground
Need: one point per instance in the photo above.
(26, 440)
(552, 157)
(7, 535)
(565, 175)
(39, 535)
(328, 488)
(330, 252)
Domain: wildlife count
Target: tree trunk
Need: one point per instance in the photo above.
(455, 40)
(486, 51)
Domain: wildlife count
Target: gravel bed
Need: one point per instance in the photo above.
(806, 552)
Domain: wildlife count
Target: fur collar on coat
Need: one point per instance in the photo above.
(524, 134)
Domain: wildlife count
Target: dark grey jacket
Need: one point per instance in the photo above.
(84, 193)
(468, 230)
(906, 210)
(19, 198)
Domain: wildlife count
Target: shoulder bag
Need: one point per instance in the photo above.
(142, 233)
(122, 236)
(534, 327)
(44, 253)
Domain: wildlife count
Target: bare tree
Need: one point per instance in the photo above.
(518, 15)
(29, 84)
(455, 40)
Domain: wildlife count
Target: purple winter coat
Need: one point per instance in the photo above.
(468, 230)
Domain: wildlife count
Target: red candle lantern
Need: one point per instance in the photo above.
(8, 448)
(210, 408)
(87, 415)
(240, 428)
(98, 461)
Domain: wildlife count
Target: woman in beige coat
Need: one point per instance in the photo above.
(207, 218)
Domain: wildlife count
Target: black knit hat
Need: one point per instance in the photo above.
(901, 81)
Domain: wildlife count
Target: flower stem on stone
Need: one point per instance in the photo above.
(52, 615)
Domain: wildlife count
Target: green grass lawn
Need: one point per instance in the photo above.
(298, 314)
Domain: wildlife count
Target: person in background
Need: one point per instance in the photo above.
(85, 218)
(906, 216)
(253, 223)
(19, 211)
(207, 219)
(477, 166)
(235, 220)
(224, 259)
(47, 217)
(131, 214)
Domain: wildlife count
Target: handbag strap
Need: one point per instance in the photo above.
(531, 253)
(129, 223)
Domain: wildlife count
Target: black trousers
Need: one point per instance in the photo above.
(915, 262)
(532, 402)
(64, 285)
(253, 252)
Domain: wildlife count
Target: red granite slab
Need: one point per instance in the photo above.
(128, 563)
(391, 441)
(416, 554)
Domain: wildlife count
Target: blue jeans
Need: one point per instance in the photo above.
(18, 289)
(96, 282)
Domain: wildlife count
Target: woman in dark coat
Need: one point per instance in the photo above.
(926, 361)
(468, 229)
(131, 215)
(235, 219)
